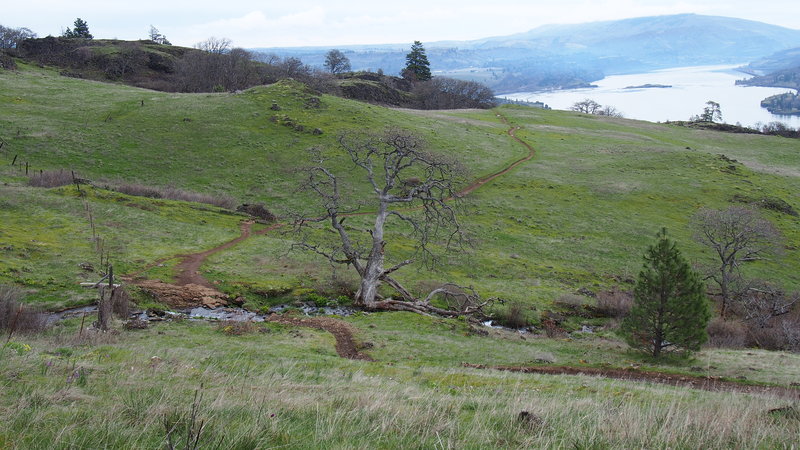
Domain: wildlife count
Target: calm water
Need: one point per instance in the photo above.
(691, 88)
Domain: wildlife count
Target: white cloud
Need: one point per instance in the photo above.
(253, 23)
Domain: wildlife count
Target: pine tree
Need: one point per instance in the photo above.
(81, 30)
(417, 66)
(670, 309)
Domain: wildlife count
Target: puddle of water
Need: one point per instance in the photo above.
(496, 326)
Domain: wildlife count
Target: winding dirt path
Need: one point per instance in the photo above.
(512, 131)
(689, 381)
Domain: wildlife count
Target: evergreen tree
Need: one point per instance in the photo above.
(670, 309)
(81, 30)
(417, 66)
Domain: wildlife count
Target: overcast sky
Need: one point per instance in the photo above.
(268, 23)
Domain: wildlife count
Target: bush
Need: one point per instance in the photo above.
(236, 328)
(257, 210)
(726, 333)
(17, 317)
(516, 315)
(571, 302)
(51, 178)
(171, 193)
(614, 303)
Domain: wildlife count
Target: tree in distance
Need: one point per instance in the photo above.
(711, 113)
(408, 184)
(589, 106)
(80, 31)
(736, 235)
(670, 308)
(157, 37)
(214, 45)
(336, 62)
(417, 66)
(11, 37)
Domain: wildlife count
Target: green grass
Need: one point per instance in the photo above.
(286, 387)
(578, 215)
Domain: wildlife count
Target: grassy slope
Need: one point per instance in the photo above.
(578, 215)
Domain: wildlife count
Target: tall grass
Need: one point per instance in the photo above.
(278, 389)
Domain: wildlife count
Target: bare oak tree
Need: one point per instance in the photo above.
(408, 184)
(586, 106)
(737, 235)
(336, 62)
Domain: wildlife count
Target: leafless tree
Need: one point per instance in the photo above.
(408, 184)
(449, 93)
(214, 45)
(737, 235)
(760, 301)
(609, 111)
(11, 37)
(157, 37)
(586, 106)
(336, 62)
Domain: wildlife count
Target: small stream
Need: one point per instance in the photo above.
(201, 313)
(237, 314)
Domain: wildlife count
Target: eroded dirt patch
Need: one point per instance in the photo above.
(185, 296)
(345, 343)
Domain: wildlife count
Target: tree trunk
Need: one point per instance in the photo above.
(373, 270)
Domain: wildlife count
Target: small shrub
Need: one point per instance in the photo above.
(236, 328)
(257, 210)
(614, 303)
(16, 317)
(516, 315)
(318, 300)
(171, 193)
(782, 334)
(552, 330)
(571, 302)
(727, 333)
(51, 178)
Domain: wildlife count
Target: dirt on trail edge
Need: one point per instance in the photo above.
(345, 344)
(689, 381)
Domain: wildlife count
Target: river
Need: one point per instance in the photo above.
(691, 88)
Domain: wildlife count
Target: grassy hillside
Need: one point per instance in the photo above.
(577, 216)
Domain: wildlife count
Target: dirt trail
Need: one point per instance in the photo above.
(690, 381)
(342, 331)
(483, 180)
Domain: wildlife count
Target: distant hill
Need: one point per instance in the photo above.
(562, 56)
(785, 59)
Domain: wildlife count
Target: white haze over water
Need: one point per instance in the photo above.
(691, 88)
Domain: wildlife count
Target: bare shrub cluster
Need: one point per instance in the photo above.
(727, 333)
(172, 193)
(16, 317)
(516, 315)
(615, 303)
(257, 210)
(51, 178)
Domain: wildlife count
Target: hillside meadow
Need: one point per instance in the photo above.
(578, 215)
(576, 218)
